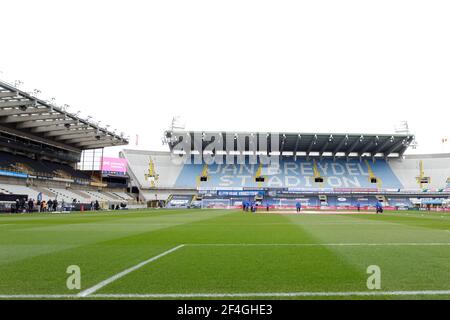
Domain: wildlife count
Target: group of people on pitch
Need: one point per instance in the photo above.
(251, 206)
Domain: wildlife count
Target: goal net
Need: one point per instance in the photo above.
(289, 203)
(216, 203)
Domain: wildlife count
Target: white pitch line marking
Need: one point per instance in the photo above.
(37, 296)
(230, 295)
(275, 294)
(119, 275)
(319, 244)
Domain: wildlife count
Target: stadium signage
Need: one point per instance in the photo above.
(114, 165)
(40, 177)
(13, 174)
(252, 148)
(62, 179)
(240, 193)
(345, 176)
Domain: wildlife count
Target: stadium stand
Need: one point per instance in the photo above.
(23, 164)
(22, 190)
(434, 166)
(40, 146)
(324, 170)
(291, 174)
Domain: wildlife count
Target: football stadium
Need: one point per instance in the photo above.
(218, 215)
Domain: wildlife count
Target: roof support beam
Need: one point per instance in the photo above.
(343, 142)
(283, 141)
(82, 139)
(382, 146)
(406, 143)
(325, 146)
(311, 145)
(17, 111)
(299, 137)
(98, 143)
(23, 134)
(354, 145)
(74, 134)
(22, 103)
(8, 94)
(30, 118)
(394, 147)
(70, 131)
(54, 128)
(367, 147)
(37, 124)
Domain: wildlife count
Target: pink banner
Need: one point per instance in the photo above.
(114, 165)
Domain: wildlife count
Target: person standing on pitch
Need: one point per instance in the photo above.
(379, 207)
(298, 206)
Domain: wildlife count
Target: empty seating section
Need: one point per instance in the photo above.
(68, 195)
(99, 196)
(123, 195)
(435, 167)
(21, 190)
(159, 170)
(57, 168)
(52, 171)
(290, 173)
(165, 170)
(19, 163)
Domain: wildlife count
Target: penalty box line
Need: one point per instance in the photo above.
(119, 275)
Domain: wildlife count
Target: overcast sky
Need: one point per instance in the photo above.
(306, 66)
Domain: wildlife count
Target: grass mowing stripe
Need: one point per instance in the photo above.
(320, 244)
(242, 269)
(308, 254)
(119, 275)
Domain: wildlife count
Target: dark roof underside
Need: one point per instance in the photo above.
(311, 144)
(24, 115)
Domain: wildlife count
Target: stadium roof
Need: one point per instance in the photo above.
(24, 115)
(313, 144)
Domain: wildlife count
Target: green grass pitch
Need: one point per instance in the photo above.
(225, 254)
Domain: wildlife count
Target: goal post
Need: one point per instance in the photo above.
(216, 203)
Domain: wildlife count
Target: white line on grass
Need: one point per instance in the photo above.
(37, 296)
(319, 244)
(275, 294)
(231, 295)
(119, 275)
